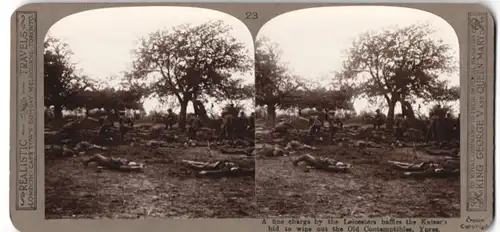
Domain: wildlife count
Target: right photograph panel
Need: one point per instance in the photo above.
(357, 114)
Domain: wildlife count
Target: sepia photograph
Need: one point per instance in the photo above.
(149, 114)
(357, 114)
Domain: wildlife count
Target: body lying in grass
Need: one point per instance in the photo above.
(295, 145)
(449, 168)
(114, 163)
(322, 163)
(219, 168)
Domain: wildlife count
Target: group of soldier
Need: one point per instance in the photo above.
(235, 124)
(316, 123)
(438, 128)
(238, 127)
(443, 128)
(107, 125)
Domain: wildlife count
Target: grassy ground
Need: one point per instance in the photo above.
(165, 189)
(371, 189)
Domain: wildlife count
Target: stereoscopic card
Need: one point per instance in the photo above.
(273, 117)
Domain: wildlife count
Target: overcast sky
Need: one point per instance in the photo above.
(313, 40)
(102, 40)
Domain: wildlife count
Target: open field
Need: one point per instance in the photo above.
(165, 189)
(371, 189)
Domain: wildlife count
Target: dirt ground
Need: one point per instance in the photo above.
(165, 189)
(371, 189)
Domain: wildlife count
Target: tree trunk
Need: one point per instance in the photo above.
(58, 112)
(271, 113)
(390, 114)
(200, 110)
(410, 114)
(403, 108)
(182, 115)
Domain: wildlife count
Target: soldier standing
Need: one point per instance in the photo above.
(227, 127)
(242, 124)
(122, 128)
(448, 127)
(400, 126)
(105, 128)
(251, 125)
(170, 119)
(314, 125)
(251, 122)
(378, 120)
(194, 125)
(433, 127)
(332, 125)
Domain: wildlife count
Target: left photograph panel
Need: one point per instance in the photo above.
(149, 114)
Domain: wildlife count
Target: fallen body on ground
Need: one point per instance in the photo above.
(322, 163)
(219, 168)
(426, 169)
(114, 163)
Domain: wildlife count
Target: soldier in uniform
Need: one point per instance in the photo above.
(378, 120)
(219, 168)
(433, 128)
(332, 123)
(336, 120)
(322, 163)
(170, 119)
(314, 125)
(114, 163)
(227, 127)
(106, 128)
(251, 123)
(241, 125)
(448, 127)
(400, 126)
(195, 124)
